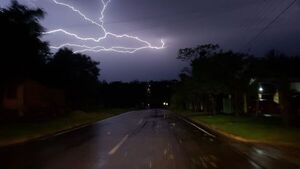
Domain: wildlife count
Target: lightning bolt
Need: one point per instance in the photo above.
(84, 48)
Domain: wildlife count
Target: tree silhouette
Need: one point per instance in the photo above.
(76, 73)
(214, 72)
(25, 56)
(23, 53)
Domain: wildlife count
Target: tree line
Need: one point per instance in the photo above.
(215, 73)
(136, 94)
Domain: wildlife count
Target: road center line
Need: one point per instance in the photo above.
(199, 128)
(115, 149)
(141, 121)
(150, 164)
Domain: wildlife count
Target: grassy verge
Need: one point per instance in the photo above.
(267, 130)
(188, 113)
(19, 132)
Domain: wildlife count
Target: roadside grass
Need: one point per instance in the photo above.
(188, 113)
(268, 130)
(17, 132)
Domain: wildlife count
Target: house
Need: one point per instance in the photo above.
(32, 99)
(268, 97)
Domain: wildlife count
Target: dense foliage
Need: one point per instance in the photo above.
(216, 74)
(26, 57)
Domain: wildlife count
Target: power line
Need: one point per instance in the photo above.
(270, 23)
(267, 9)
(262, 12)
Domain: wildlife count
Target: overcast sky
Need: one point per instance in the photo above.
(229, 23)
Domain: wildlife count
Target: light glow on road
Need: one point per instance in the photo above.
(85, 48)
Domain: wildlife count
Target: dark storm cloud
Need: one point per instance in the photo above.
(230, 23)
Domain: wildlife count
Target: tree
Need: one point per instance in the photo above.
(26, 56)
(75, 73)
(23, 53)
(215, 72)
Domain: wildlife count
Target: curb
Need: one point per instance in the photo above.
(230, 136)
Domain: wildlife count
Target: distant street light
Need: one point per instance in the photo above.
(260, 89)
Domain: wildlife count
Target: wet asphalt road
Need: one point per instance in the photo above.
(149, 139)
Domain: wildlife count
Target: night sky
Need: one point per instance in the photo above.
(230, 23)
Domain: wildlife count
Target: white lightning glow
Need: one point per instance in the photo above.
(84, 48)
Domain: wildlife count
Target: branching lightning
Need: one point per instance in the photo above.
(84, 48)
